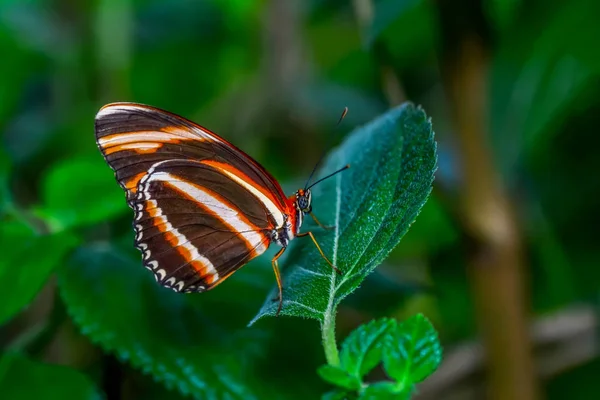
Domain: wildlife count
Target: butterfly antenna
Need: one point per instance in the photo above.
(344, 112)
(330, 175)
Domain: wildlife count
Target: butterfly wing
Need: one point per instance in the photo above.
(203, 208)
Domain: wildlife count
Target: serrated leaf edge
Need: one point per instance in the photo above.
(391, 344)
(141, 361)
(385, 324)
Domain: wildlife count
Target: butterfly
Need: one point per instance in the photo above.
(202, 207)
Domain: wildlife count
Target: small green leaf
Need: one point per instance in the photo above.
(371, 206)
(177, 338)
(412, 351)
(339, 377)
(78, 193)
(384, 391)
(21, 378)
(362, 349)
(27, 261)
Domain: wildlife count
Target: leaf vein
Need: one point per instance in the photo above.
(309, 308)
(308, 271)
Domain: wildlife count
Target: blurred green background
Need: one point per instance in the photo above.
(503, 259)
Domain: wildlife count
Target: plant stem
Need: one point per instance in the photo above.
(332, 354)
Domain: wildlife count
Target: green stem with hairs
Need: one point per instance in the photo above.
(328, 337)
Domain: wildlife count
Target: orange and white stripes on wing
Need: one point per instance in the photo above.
(248, 184)
(189, 252)
(145, 141)
(203, 208)
(125, 131)
(219, 208)
(254, 238)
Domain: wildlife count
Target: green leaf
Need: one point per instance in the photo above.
(412, 351)
(21, 378)
(362, 349)
(27, 261)
(177, 338)
(338, 377)
(80, 192)
(384, 391)
(371, 206)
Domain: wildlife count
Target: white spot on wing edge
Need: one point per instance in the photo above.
(170, 281)
(160, 274)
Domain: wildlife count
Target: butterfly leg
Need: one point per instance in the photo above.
(326, 227)
(278, 278)
(320, 251)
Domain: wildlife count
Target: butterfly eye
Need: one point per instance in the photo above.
(303, 202)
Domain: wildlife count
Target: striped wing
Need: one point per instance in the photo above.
(203, 208)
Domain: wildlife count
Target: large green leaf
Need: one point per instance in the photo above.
(21, 378)
(26, 262)
(371, 205)
(188, 342)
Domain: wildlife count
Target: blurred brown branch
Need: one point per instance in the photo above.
(496, 269)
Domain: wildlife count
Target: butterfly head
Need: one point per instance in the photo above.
(303, 200)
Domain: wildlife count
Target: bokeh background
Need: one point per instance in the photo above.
(504, 259)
